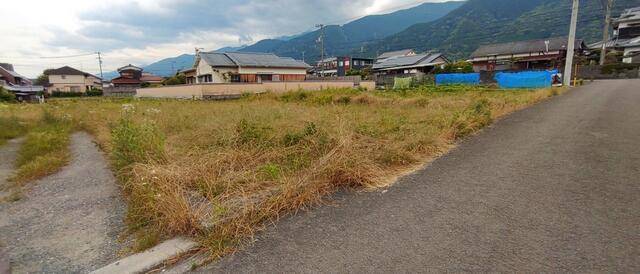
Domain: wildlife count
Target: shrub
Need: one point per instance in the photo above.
(94, 93)
(7, 96)
(63, 94)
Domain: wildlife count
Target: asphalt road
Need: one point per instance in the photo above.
(553, 188)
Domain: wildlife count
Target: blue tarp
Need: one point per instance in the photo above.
(458, 78)
(525, 79)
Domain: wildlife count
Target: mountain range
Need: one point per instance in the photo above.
(480, 22)
(338, 38)
(454, 28)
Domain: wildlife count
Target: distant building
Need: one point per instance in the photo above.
(190, 75)
(397, 53)
(132, 76)
(68, 79)
(627, 26)
(242, 67)
(410, 64)
(626, 35)
(339, 66)
(539, 54)
(21, 86)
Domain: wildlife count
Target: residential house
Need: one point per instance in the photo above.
(21, 86)
(626, 36)
(132, 76)
(243, 67)
(397, 53)
(542, 54)
(68, 79)
(410, 64)
(190, 75)
(339, 66)
(631, 51)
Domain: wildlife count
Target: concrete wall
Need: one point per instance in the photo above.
(201, 90)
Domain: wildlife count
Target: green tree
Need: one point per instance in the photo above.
(179, 79)
(42, 80)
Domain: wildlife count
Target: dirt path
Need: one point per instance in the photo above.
(553, 188)
(67, 222)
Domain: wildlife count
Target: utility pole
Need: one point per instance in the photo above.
(100, 64)
(571, 47)
(321, 26)
(605, 35)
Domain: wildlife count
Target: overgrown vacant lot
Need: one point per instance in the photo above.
(218, 170)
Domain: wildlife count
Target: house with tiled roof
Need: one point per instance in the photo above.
(539, 54)
(410, 64)
(244, 67)
(20, 85)
(133, 76)
(68, 79)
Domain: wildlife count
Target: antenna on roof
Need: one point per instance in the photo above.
(546, 43)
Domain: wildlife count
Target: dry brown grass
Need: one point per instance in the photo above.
(221, 170)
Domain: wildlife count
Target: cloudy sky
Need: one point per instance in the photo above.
(144, 31)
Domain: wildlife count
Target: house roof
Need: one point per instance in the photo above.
(130, 67)
(389, 54)
(67, 70)
(11, 72)
(126, 81)
(6, 66)
(519, 47)
(245, 59)
(632, 14)
(148, 77)
(418, 60)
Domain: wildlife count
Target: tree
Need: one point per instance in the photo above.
(179, 79)
(42, 80)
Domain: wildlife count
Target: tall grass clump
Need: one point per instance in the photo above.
(10, 127)
(136, 143)
(44, 151)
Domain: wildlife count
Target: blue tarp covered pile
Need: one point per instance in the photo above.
(458, 79)
(526, 79)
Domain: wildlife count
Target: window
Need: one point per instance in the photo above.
(346, 63)
(63, 76)
(207, 78)
(276, 78)
(74, 89)
(340, 64)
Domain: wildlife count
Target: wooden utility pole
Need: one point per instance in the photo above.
(321, 26)
(571, 47)
(100, 64)
(605, 32)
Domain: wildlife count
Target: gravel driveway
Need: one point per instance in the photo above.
(67, 222)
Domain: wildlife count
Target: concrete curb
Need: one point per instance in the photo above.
(146, 261)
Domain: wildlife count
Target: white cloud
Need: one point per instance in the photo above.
(143, 31)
